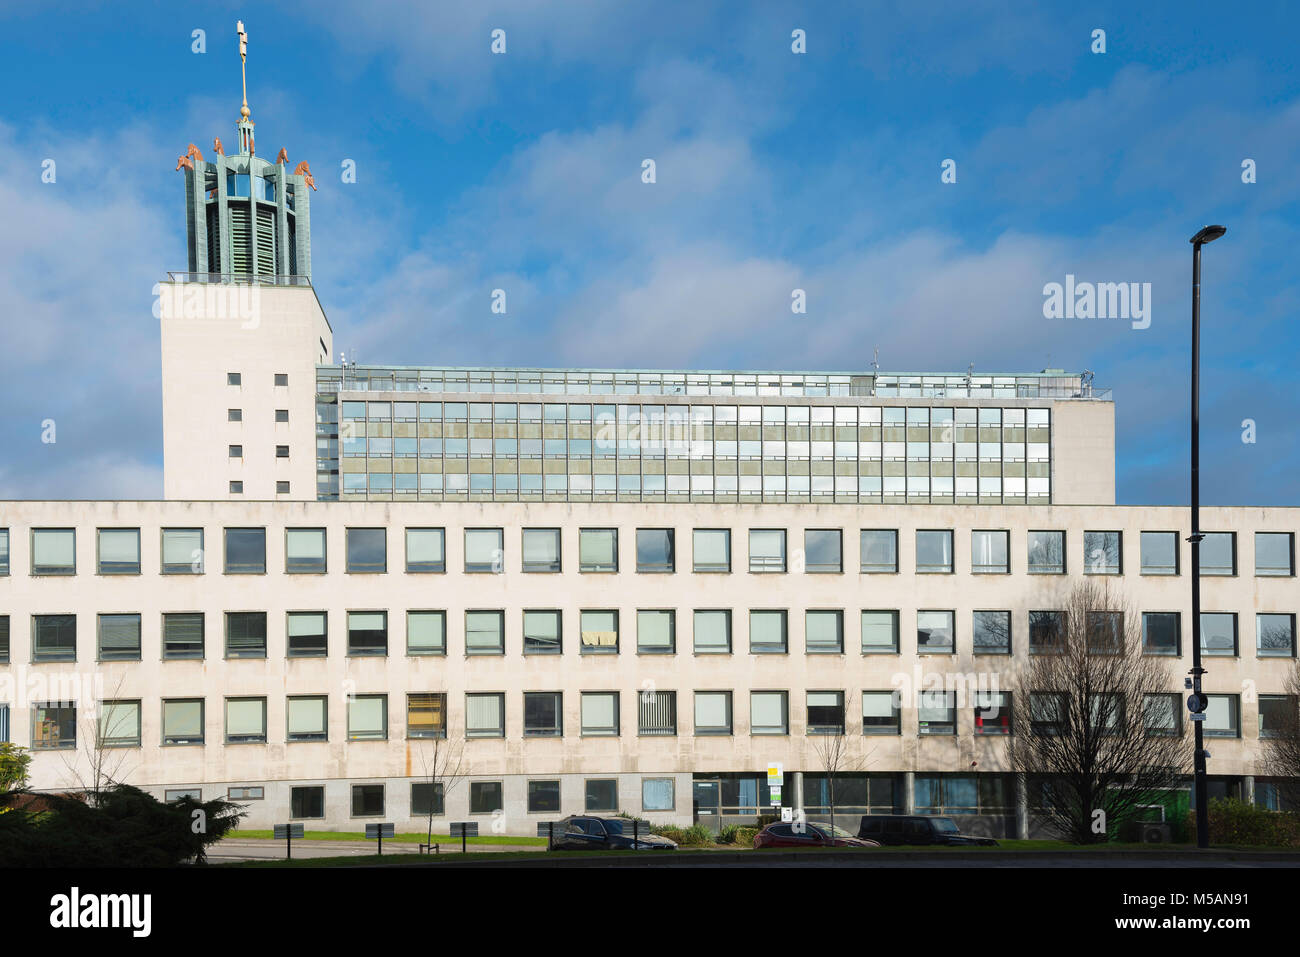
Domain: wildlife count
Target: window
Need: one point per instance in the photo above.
(1046, 553)
(426, 715)
(54, 637)
(281, 488)
(368, 633)
(245, 551)
(427, 798)
(1048, 712)
(484, 551)
(599, 632)
(1222, 716)
(825, 712)
(426, 632)
(1159, 553)
(282, 452)
(654, 551)
(368, 717)
(245, 794)
(1161, 633)
(767, 549)
(992, 712)
(880, 713)
(934, 551)
(656, 632)
(543, 714)
(541, 632)
(304, 551)
(307, 717)
(306, 634)
(236, 488)
(485, 797)
(4, 646)
(182, 551)
(880, 632)
(1219, 553)
(600, 713)
(598, 550)
(769, 712)
(119, 637)
(1274, 553)
(934, 632)
(171, 795)
(657, 794)
(234, 415)
(367, 550)
(991, 632)
(54, 551)
(485, 633)
(767, 632)
(1105, 632)
(1219, 634)
(367, 800)
(232, 378)
(236, 452)
(543, 797)
(1275, 636)
(541, 549)
(712, 632)
(601, 795)
(307, 802)
(182, 721)
(657, 712)
(54, 726)
(1162, 714)
(879, 551)
(426, 550)
(4, 551)
(119, 551)
(1046, 632)
(245, 634)
(988, 552)
(823, 551)
(1102, 553)
(1106, 712)
(281, 415)
(712, 712)
(119, 724)
(711, 549)
(281, 378)
(485, 716)
(824, 632)
(1276, 715)
(245, 720)
(936, 712)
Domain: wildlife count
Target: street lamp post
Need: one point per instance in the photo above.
(1206, 235)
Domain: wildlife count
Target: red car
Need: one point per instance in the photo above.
(809, 834)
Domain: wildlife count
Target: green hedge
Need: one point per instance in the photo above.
(1236, 822)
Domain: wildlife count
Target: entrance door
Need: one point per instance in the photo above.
(706, 797)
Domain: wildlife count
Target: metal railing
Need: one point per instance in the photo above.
(263, 279)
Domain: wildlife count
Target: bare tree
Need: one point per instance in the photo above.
(837, 755)
(1281, 748)
(105, 763)
(1096, 722)
(443, 766)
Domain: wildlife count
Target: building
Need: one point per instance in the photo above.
(608, 589)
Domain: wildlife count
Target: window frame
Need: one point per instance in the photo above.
(99, 551)
(170, 568)
(838, 568)
(302, 567)
(760, 564)
(930, 569)
(364, 567)
(598, 568)
(242, 568)
(990, 569)
(41, 571)
(710, 568)
(434, 568)
(862, 562)
(1030, 567)
(668, 565)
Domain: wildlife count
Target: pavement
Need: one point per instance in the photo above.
(264, 849)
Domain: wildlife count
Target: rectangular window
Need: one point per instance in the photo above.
(657, 794)
(712, 712)
(368, 717)
(427, 798)
(4, 647)
(119, 551)
(1162, 714)
(599, 632)
(119, 637)
(824, 632)
(245, 794)
(245, 720)
(543, 797)
(654, 551)
(1105, 632)
(1219, 553)
(1222, 716)
(1161, 633)
(600, 713)
(656, 712)
(767, 632)
(880, 632)
(368, 633)
(282, 452)
(4, 551)
(484, 551)
(1046, 553)
(712, 632)
(367, 800)
(541, 549)
(1046, 632)
(307, 717)
(879, 551)
(182, 721)
(171, 795)
(1048, 712)
(989, 552)
(711, 550)
(426, 632)
(1277, 715)
(304, 551)
(991, 632)
(541, 632)
(485, 633)
(1159, 553)
(307, 635)
(233, 378)
(485, 797)
(992, 712)
(54, 551)
(934, 551)
(936, 712)
(485, 716)
(245, 551)
(182, 551)
(236, 488)
(426, 551)
(601, 795)
(934, 632)
(367, 550)
(1103, 553)
(1275, 636)
(543, 714)
(767, 549)
(54, 637)
(1274, 554)
(245, 634)
(426, 715)
(307, 802)
(823, 551)
(880, 713)
(1105, 711)
(1219, 634)
(54, 726)
(235, 452)
(281, 415)
(119, 724)
(598, 550)
(656, 632)
(825, 712)
(769, 712)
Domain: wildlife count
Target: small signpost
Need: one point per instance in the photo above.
(288, 832)
(775, 777)
(379, 832)
(464, 829)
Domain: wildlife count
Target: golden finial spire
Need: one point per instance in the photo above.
(243, 60)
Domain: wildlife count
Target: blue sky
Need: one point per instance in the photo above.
(775, 171)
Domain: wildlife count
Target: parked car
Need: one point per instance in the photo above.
(896, 829)
(592, 832)
(809, 834)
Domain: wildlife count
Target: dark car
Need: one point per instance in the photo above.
(810, 834)
(591, 832)
(896, 829)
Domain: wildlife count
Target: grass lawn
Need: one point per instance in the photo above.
(400, 838)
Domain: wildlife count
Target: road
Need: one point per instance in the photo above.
(260, 849)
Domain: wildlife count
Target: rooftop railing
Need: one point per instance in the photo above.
(263, 279)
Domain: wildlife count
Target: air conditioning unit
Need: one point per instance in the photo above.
(1156, 833)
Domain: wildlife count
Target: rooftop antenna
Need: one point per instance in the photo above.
(245, 123)
(875, 360)
(970, 373)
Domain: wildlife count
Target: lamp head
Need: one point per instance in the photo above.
(1208, 234)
